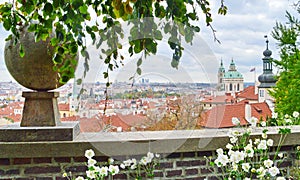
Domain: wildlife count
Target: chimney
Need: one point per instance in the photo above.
(247, 111)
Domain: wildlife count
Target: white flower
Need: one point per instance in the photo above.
(103, 171)
(219, 151)
(262, 145)
(90, 174)
(127, 162)
(91, 162)
(263, 124)
(97, 169)
(256, 141)
(268, 163)
(237, 156)
(235, 121)
(288, 121)
(261, 172)
(150, 156)
(249, 150)
(89, 153)
(144, 161)
(280, 178)
(295, 114)
(229, 146)
(274, 171)
(65, 175)
(222, 159)
(79, 178)
(233, 140)
(233, 133)
(113, 169)
(246, 167)
(133, 166)
(110, 160)
(264, 135)
(270, 142)
(280, 155)
(122, 166)
(274, 115)
(133, 161)
(235, 167)
(247, 178)
(157, 155)
(286, 116)
(253, 121)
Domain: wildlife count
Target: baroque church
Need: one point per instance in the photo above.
(231, 81)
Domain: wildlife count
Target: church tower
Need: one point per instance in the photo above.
(221, 72)
(233, 80)
(267, 80)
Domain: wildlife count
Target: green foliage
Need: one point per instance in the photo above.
(286, 91)
(70, 20)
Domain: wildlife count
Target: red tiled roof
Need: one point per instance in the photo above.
(219, 99)
(220, 116)
(248, 93)
(91, 125)
(64, 107)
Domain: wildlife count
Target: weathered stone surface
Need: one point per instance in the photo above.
(35, 69)
(40, 109)
(66, 131)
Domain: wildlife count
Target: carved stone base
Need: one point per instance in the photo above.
(66, 131)
(40, 109)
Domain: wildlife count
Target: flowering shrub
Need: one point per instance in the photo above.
(246, 158)
(135, 168)
(146, 165)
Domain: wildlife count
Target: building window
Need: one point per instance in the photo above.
(261, 93)
(230, 87)
(238, 87)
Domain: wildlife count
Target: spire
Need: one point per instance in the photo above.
(232, 66)
(267, 79)
(267, 52)
(221, 68)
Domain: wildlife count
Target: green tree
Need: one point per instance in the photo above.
(72, 23)
(287, 91)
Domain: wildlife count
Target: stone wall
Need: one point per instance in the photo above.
(183, 153)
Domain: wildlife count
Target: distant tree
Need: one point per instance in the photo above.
(287, 91)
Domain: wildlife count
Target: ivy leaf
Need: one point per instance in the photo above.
(83, 9)
(7, 24)
(22, 52)
(48, 8)
(79, 81)
(139, 71)
(139, 62)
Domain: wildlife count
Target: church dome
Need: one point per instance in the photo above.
(233, 75)
(267, 53)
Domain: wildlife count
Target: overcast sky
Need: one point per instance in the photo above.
(241, 33)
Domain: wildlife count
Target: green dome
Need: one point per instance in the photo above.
(233, 75)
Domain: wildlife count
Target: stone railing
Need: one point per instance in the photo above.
(183, 153)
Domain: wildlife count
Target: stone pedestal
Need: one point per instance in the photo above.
(40, 109)
(40, 121)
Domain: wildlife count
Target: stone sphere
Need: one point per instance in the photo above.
(35, 69)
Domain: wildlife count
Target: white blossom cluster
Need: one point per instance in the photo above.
(244, 158)
(101, 172)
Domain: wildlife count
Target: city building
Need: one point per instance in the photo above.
(230, 81)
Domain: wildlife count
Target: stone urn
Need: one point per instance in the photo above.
(35, 71)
